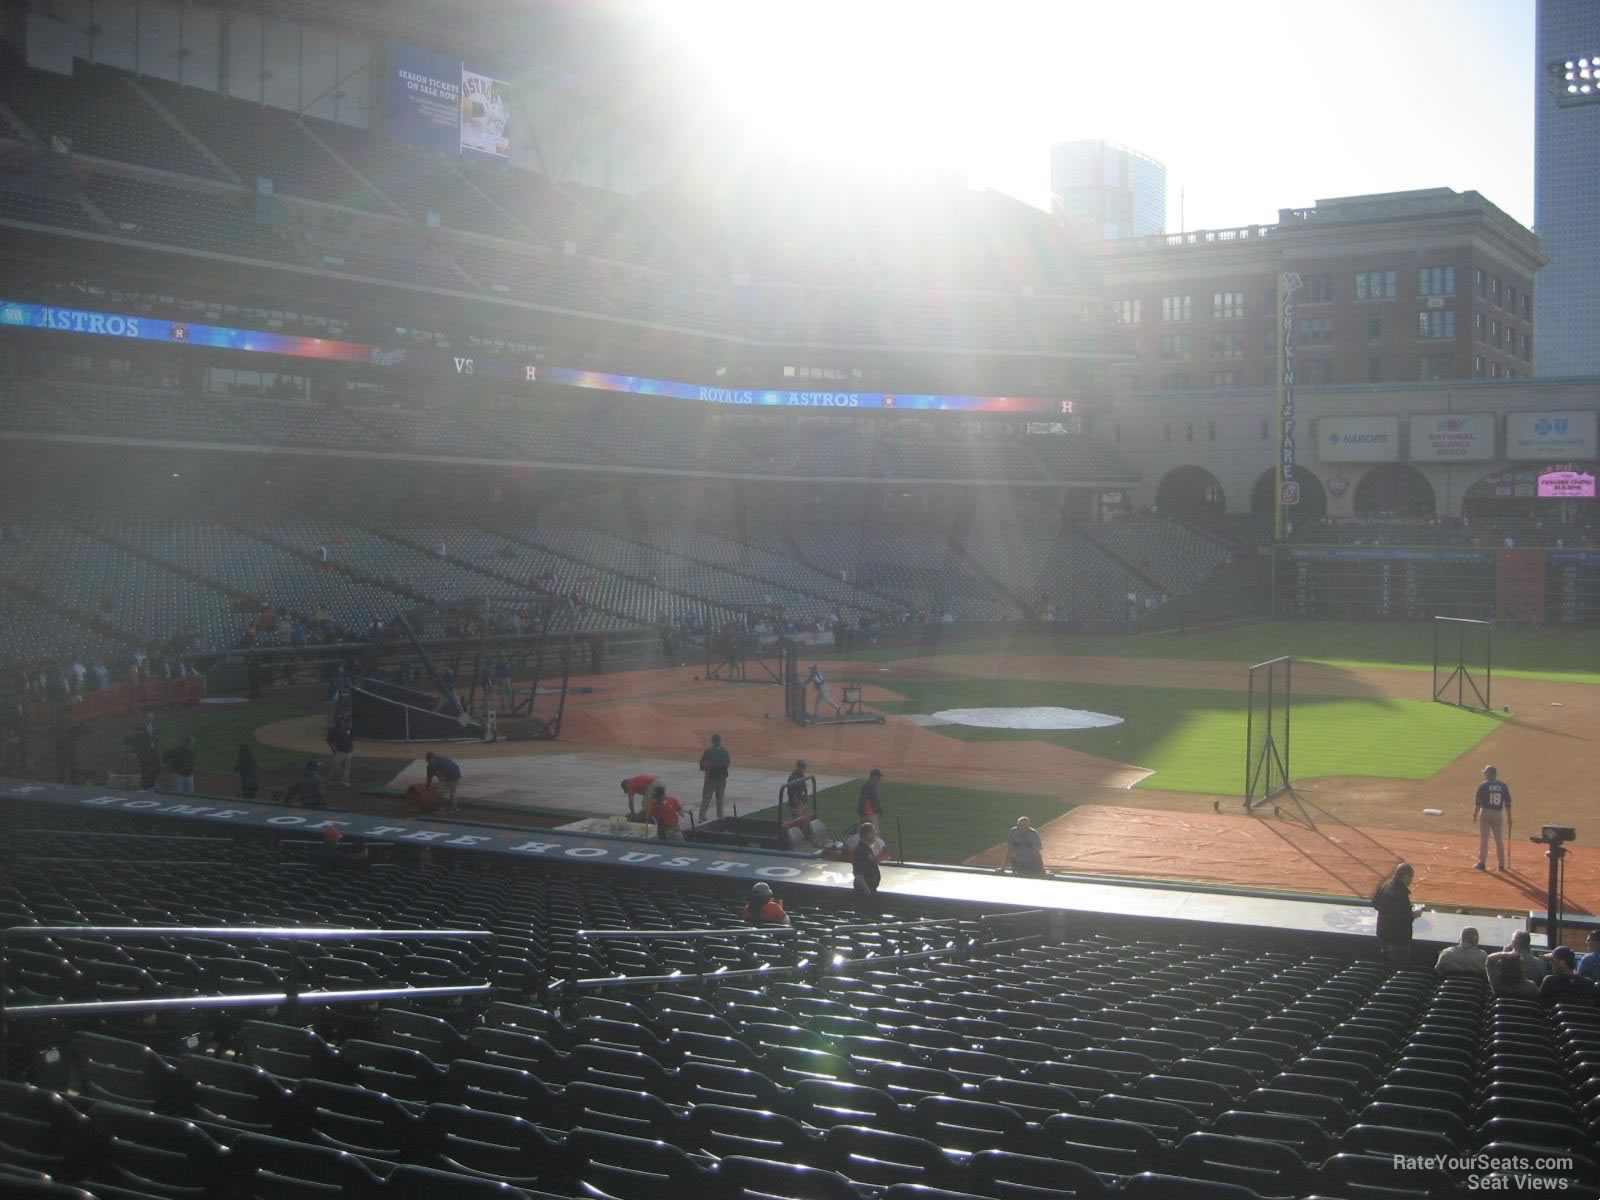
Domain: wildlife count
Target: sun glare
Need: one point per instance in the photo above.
(881, 84)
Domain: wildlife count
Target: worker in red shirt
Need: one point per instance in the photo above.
(764, 908)
(665, 810)
(638, 785)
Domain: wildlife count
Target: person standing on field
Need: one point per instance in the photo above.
(1024, 849)
(341, 745)
(715, 763)
(1491, 809)
(864, 872)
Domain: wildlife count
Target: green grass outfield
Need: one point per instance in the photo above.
(940, 824)
(1563, 655)
(219, 729)
(1194, 738)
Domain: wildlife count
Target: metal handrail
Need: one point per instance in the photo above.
(293, 996)
(879, 926)
(243, 1000)
(684, 934)
(831, 962)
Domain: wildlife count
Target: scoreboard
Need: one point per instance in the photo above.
(1556, 587)
(1572, 587)
(1366, 582)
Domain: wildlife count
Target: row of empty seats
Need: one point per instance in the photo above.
(1087, 1067)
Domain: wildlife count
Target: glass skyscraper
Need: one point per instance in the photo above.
(1566, 205)
(1107, 191)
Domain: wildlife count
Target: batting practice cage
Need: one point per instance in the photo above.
(1463, 662)
(737, 654)
(454, 692)
(1269, 690)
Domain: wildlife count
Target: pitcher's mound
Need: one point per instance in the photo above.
(1021, 718)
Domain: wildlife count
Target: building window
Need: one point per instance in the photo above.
(1174, 346)
(1522, 352)
(1319, 289)
(1175, 381)
(1175, 308)
(1511, 300)
(1125, 312)
(1227, 306)
(1527, 307)
(1314, 371)
(1376, 285)
(1374, 329)
(1494, 370)
(1494, 291)
(1477, 366)
(1433, 367)
(1225, 381)
(1318, 331)
(1494, 333)
(1477, 325)
(1374, 370)
(1511, 373)
(1436, 281)
(1227, 345)
(1436, 324)
(1269, 301)
(1480, 282)
(1188, 431)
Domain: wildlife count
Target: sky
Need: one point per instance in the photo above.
(1254, 105)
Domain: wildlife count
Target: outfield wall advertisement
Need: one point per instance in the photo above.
(1358, 439)
(441, 104)
(1452, 437)
(1550, 435)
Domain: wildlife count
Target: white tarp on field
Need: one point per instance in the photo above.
(1020, 718)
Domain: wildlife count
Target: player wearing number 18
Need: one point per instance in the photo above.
(1491, 809)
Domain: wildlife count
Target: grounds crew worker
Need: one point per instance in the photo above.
(638, 785)
(1491, 809)
(715, 763)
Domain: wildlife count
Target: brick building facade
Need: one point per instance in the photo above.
(1403, 287)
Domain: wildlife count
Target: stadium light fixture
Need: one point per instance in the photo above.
(1576, 80)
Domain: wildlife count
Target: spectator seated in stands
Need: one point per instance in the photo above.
(1506, 978)
(1564, 982)
(764, 908)
(1533, 969)
(1464, 958)
(1589, 964)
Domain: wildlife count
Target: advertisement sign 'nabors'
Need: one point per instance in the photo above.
(1452, 437)
(1550, 435)
(1358, 439)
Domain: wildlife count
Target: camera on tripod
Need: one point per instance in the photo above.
(1555, 835)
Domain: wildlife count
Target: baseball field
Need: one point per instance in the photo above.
(1380, 772)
